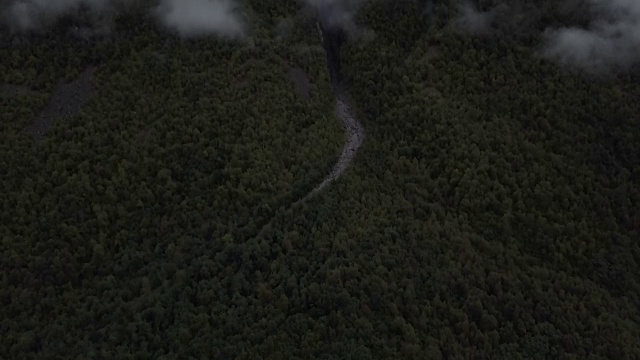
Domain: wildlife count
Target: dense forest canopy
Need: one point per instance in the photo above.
(151, 179)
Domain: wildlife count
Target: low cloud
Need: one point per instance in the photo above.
(612, 40)
(338, 14)
(30, 15)
(188, 18)
(192, 18)
(473, 21)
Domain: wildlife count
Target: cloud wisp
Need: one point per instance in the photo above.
(33, 15)
(194, 18)
(611, 41)
(338, 15)
(473, 21)
(188, 18)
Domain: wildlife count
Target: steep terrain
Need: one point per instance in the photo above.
(355, 136)
(492, 211)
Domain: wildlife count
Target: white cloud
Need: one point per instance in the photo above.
(611, 40)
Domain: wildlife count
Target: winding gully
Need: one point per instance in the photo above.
(331, 40)
(355, 136)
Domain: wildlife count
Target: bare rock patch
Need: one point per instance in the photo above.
(355, 136)
(67, 100)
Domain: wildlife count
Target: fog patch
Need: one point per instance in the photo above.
(195, 18)
(610, 41)
(339, 15)
(188, 18)
(33, 15)
(472, 21)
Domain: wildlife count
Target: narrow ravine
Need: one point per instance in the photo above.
(354, 130)
(332, 40)
(355, 136)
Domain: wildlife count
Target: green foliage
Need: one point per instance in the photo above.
(492, 213)
(185, 151)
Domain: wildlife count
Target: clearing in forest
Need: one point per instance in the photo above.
(67, 100)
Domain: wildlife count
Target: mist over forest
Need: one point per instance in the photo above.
(319, 179)
(609, 37)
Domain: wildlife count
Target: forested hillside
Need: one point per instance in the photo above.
(493, 211)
